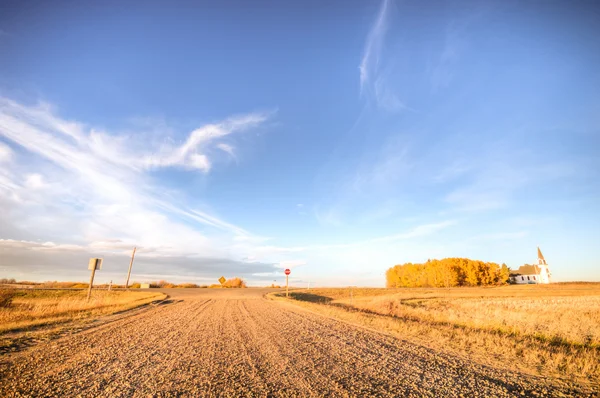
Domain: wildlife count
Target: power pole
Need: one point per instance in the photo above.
(130, 265)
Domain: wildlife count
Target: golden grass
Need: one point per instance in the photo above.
(31, 308)
(551, 330)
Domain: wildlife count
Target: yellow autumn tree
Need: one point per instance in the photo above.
(448, 272)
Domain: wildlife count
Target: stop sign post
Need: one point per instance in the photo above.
(287, 274)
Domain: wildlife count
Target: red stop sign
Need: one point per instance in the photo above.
(287, 271)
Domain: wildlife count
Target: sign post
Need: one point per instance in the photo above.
(287, 274)
(222, 280)
(94, 264)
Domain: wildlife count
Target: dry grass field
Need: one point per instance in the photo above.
(28, 308)
(551, 330)
(234, 343)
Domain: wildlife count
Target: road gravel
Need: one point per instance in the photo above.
(236, 343)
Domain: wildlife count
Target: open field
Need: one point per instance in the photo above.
(31, 308)
(551, 330)
(234, 342)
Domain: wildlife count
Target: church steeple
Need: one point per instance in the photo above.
(541, 259)
(543, 265)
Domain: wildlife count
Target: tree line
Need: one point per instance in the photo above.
(448, 272)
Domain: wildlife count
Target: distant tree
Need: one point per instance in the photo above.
(448, 272)
(503, 275)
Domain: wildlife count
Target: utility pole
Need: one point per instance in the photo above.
(130, 265)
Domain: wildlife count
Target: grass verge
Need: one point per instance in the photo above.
(32, 314)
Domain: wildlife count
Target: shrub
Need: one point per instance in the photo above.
(80, 286)
(187, 285)
(29, 283)
(235, 283)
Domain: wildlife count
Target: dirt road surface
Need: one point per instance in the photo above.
(208, 342)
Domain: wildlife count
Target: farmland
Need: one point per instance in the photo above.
(551, 330)
(237, 342)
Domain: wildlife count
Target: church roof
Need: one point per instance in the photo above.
(528, 270)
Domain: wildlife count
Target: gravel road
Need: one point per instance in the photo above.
(208, 342)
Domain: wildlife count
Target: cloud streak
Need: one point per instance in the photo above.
(374, 76)
(86, 189)
(371, 55)
(192, 153)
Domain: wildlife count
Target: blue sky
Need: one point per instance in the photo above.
(336, 139)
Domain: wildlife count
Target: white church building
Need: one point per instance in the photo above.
(532, 274)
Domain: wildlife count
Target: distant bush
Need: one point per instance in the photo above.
(215, 286)
(235, 283)
(168, 285)
(60, 285)
(187, 286)
(163, 284)
(7, 281)
(28, 283)
(80, 286)
(6, 297)
(135, 285)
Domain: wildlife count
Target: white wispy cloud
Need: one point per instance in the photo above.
(6, 154)
(413, 233)
(371, 55)
(291, 264)
(375, 80)
(443, 72)
(418, 231)
(227, 149)
(192, 153)
(86, 189)
(501, 236)
(494, 180)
